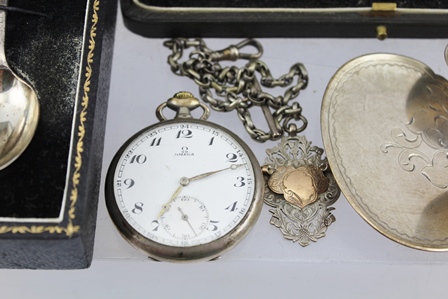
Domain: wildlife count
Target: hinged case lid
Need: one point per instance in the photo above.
(294, 18)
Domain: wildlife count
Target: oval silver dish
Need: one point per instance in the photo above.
(385, 130)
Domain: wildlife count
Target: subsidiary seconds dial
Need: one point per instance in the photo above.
(194, 215)
(184, 189)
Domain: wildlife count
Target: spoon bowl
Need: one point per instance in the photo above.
(19, 107)
(19, 114)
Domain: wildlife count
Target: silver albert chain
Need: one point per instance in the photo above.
(300, 187)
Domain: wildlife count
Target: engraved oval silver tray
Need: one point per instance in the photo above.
(385, 130)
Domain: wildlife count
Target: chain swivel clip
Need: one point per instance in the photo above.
(233, 53)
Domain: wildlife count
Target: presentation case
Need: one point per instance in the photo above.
(49, 195)
(286, 18)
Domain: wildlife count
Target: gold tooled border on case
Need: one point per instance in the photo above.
(70, 229)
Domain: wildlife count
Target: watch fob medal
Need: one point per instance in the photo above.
(300, 188)
(184, 189)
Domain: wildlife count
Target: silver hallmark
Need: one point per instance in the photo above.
(301, 188)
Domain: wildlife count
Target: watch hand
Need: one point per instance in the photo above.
(165, 206)
(185, 218)
(185, 181)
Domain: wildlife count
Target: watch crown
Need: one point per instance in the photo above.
(183, 95)
(183, 103)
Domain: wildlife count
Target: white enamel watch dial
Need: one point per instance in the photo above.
(184, 189)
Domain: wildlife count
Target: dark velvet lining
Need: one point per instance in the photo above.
(45, 52)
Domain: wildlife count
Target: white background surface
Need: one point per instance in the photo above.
(352, 261)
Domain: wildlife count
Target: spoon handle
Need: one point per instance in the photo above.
(2, 32)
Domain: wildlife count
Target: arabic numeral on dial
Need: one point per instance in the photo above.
(138, 208)
(129, 183)
(184, 134)
(232, 157)
(232, 207)
(215, 133)
(155, 224)
(212, 226)
(242, 211)
(156, 141)
(240, 183)
(139, 159)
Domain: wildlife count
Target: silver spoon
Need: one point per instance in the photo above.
(19, 107)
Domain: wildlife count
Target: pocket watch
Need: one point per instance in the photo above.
(300, 187)
(184, 189)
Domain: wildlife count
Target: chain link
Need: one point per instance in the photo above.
(239, 88)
